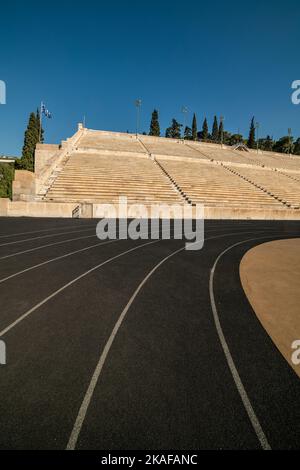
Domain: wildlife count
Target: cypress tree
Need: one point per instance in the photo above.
(174, 131)
(31, 138)
(215, 130)
(251, 140)
(154, 125)
(194, 128)
(188, 133)
(221, 132)
(205, 130)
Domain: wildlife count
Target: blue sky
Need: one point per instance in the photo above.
(95, 58)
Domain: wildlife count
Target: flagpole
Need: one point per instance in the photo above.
(40, 129)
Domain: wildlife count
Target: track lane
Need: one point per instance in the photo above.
(134, 412)
(272, 385)
(11, 267)
(52, 354)
(96, 375)
(34, 357)
(53, 366)
(18, 234)
(60, 275)
(52, 279)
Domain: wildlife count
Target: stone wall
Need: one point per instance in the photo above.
(48, 161)
(35, 209)
(43, 154)
(24, 188)
(51, 209)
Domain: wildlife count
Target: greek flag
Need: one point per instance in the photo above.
(45, 111)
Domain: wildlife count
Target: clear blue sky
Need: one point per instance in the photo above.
(94, 58)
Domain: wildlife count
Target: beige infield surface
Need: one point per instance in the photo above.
(270, 275)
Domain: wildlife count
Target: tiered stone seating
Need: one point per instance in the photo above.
(267, 159)
(280, 160)
(170, 147)
(105, 165)
(286, 190)
(227, 155)
(102, 179)
(213, 185)
(292, 175)
(112, 142)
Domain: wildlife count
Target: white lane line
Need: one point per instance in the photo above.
(94, 225)
(46, 246)
(95, 377)
(214, 227)
(41, 231)
(61, 289)
(54, 244)
(45, 236)
(55, 259)
(231, 364)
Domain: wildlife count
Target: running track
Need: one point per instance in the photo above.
(137, 344)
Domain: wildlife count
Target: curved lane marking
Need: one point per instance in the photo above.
(55, 259)
(40, 231)
(231, 364)
(46, 236)
(18, 253)
(94, 380)
(58, 257)
(61, 289)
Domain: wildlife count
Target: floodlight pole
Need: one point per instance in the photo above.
(222, 130)
(290, 143)
(184, 111)
(41, 122)
(257, 127)
(138, 104)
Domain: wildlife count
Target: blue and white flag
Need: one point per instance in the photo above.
(45, 111)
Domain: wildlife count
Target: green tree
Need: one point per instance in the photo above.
(188, 133)
(284, 145)
(235, 139)
(174, 131)
(215, 130)
(6, 179)
(154, 125)
(227, 138)
(266, 144)
(251, 140)
(194, 127)
(30, 140)
(297, 147)
(204, 133)
(221, 132)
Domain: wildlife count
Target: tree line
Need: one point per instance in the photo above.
(286, 144)
(33, 135)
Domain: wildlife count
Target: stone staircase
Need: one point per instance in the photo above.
(52, 178)
(102, 166)
(274, 183)
(213, 185)
(103, 179)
